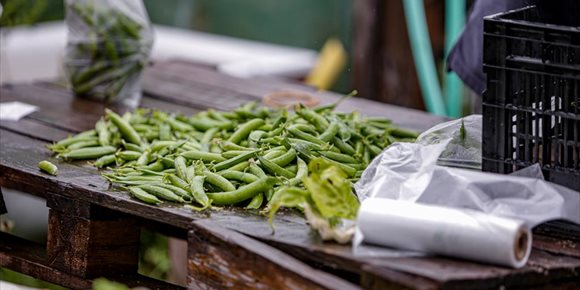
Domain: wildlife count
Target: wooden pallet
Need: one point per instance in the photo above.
(93, 231)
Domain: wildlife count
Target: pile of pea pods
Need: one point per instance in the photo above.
(226, 158)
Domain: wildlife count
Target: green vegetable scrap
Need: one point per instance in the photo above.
(327, 200)
(253, 157)
(48, 167)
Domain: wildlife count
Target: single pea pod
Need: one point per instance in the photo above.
(343, 158)
(189, 173)
(103, 133)
(236, 160)
(180, 167)
(204, 156)
(343, 146)
(173, 179)
(285, 158)
(143, 195)
(243, 193)
(144, 158)
(88, 153)
(314, 118)
(197, 191)
(240, 166)
(128, 155)
(104, 161)
(256, 201)
(48, 167)
(184, 194)
(218, 181)
(83, 144)
(257, 171)
(71, 140)
(305, 136)
(274, 168)
(244, 177)
(244, 130)
(178, 125)
(330, 132)
(229, 146)
(128, 133)
(300, 174)
(156, 166)
(161, 192)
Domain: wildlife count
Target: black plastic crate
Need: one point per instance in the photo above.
(531, 108)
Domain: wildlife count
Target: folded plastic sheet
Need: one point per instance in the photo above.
(409, 172)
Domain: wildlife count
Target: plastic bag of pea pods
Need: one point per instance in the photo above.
(109, 43)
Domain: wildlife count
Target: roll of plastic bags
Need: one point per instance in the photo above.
(409, 172)
(445, 231)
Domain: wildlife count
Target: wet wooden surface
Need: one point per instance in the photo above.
(182, 87)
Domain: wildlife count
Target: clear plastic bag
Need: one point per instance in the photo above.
(464, 148)
(109, 43)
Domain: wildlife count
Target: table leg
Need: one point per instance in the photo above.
(89, 241)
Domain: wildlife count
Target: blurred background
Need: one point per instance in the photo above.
(371, 52)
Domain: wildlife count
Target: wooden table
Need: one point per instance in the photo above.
(94, 231)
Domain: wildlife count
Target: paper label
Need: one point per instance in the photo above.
(14, 111)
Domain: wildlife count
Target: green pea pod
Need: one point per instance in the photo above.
(184, 194)
(204, 156)
(300, 174)
(88, 153)
(128, 133)
(128, 155)
(274, 168)
(243, 193)
(197, 191)
(343, 158)
(83, 144)
(143, 195)
(219, 181)
(236, 160)
(257, 171)
(256, 201)
(330, 132)
(244, 130)
(176, 181)
(48, 167)
(181, 167)
(285, 158)
(244, 177)
(161, 192)
(104, 161)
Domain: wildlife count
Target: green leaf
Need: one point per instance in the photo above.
(331, 190)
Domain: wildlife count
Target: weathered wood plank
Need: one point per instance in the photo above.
(3, 209)
(221, 258)
(558, 246)
(87, 241)
(184, 79)
(30, 258)
(59, 109)
(542, 269)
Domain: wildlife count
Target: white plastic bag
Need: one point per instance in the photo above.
(109, 43)
(410, 172)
